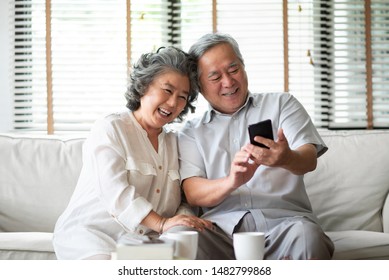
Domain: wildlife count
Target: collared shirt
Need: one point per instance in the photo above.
(207, 146)
(122, 179)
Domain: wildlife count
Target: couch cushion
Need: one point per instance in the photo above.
(360, 245)
(385, 215)
(26, 245)
(37, 177)
(350, 184)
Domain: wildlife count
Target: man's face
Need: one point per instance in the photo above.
(223, 79)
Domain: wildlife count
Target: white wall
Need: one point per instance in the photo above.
(5, 77)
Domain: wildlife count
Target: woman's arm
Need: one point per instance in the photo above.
(160, 224)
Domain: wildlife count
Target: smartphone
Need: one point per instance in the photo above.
(263, 129)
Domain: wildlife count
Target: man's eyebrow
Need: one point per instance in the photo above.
(167, 85)
(213, 73)
(233, 64)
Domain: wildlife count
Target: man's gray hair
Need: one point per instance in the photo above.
(210, 40)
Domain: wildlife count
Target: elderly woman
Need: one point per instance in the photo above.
(129, 184)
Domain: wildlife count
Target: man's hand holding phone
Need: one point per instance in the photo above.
(279, 153)
(263, 129)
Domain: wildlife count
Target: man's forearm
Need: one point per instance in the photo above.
(206, 193)
(302, 160)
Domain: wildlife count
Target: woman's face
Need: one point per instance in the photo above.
(163, 100)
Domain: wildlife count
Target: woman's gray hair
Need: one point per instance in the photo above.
(151, 65)
(210, 40)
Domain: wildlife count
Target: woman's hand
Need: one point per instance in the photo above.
(188, 221)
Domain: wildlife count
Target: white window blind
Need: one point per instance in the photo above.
(308, 56)
(257, 26)
(327, 45)
(88, 54)
(150, 26)
(348, 106)
(193, 19)
(29, 61)
(350, 70)
(380, 65)
(88, 60)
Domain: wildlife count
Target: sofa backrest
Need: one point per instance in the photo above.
(347, 190)
(351, 182)
(37, 177)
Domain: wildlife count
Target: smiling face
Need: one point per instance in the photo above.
(223, 79)
(163, 101)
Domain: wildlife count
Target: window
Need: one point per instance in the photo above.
(87, 66)
(71, 57)
(360, 64)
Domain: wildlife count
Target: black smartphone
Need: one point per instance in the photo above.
(263, 129)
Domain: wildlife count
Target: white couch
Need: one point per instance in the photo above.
(349, 192)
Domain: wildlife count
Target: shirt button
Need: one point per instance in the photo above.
(157, 190)
(160, 167)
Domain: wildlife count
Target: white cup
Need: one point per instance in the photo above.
(249, 245)
(185, 244)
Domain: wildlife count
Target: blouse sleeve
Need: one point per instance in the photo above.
(105, 158)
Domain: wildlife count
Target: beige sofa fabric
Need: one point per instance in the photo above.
(37, 178)
(348, 191)
(26, 245)
(351, 182)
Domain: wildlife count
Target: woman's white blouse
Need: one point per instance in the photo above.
(122, 179)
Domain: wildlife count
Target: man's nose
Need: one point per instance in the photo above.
(227, 81)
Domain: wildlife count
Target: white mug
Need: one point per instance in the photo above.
(185, 243)
(249, 245)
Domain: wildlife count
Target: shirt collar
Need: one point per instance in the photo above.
(211, 111)
(142, 130)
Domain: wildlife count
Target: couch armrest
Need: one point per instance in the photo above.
(385, 215)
